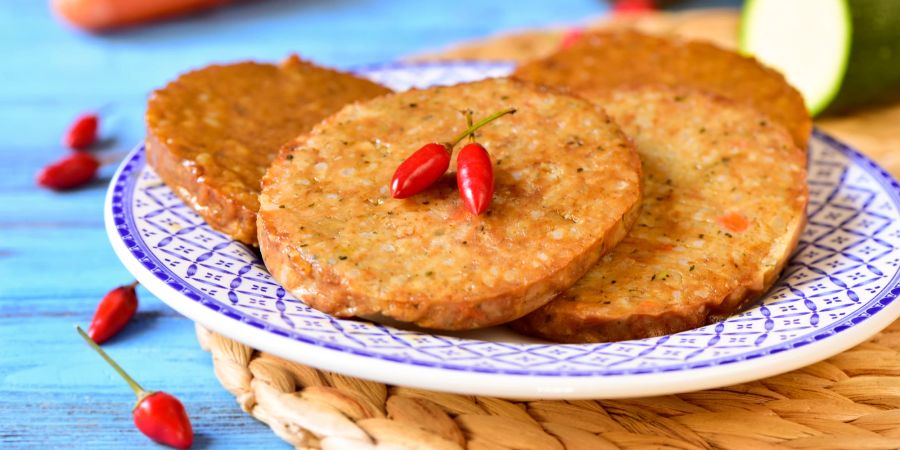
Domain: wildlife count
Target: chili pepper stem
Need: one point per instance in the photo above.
(468, 114)
(480, 124)
(138, 390)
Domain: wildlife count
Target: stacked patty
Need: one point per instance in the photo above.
(212, 132)
(596, 233)
(724, 204)
(603, 61)
(333, 236)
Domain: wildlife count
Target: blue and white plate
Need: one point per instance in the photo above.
(839, 289)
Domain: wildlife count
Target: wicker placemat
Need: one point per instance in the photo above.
(851, 401)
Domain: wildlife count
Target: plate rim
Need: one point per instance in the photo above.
(516, 383)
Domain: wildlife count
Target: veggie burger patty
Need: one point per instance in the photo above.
(212, 133)
(567, 188)
(724, 204)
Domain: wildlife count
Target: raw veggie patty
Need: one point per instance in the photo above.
(724, 204)
(212, 132)
(567, 187)
(602, 61)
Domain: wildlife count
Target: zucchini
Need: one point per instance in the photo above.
(840, 54)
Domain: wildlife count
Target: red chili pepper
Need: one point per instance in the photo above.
(420, 170)
(73, 171)
(113, 313)
(158, 415)
(427, 164)
(162, 417)
(571, 37)
(82, 133)
(475, 178)
(633, 6)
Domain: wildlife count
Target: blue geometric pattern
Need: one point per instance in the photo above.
(844, 271)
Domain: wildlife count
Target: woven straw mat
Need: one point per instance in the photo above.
(851, 401)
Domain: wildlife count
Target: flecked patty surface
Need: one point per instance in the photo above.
(724, 204)
(567, 187)
(212, 132)
(601, 61)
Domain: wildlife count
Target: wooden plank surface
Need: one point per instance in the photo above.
(55, 261)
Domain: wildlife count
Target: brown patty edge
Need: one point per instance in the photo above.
(575, 327)
(296, 275)
(186, 179)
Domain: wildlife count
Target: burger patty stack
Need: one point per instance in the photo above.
(627, 186)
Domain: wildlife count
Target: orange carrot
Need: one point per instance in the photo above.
(734, 222)
(100, 15)
(647, 306)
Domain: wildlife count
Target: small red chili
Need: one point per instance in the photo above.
(474, 174)
(73, 171)
(475, 178)
(571, 37)
(161, 417)
(420, 170)
(113, 313)
(158, 415)
(427, 164)
(82, 133)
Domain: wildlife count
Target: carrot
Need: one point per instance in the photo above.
(100, 15)
(734, 222)
(647, 306)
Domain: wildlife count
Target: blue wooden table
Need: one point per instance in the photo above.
(55, 262)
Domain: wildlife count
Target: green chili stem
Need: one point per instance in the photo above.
(138, 390)
(480, 124)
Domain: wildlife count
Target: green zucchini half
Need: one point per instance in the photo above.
(840, 54)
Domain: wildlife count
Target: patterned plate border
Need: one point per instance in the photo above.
(122, 228)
